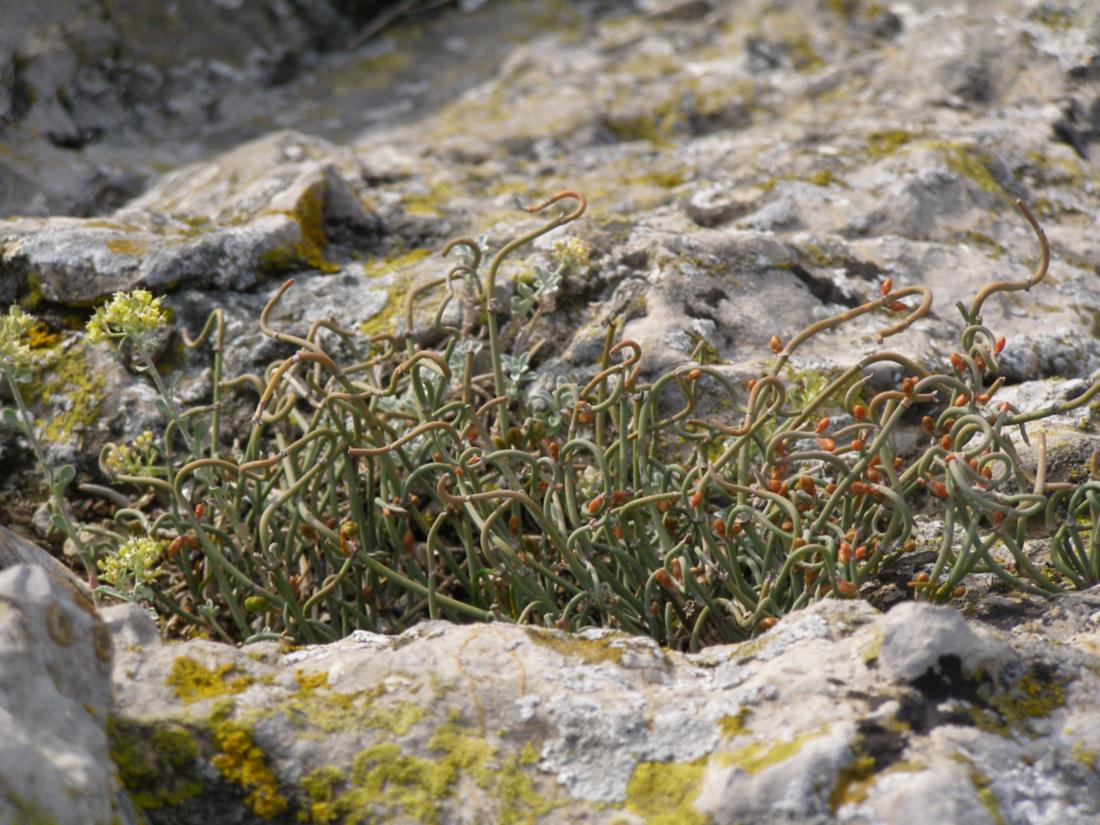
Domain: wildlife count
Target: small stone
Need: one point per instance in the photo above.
(916, 637)
(682, 10)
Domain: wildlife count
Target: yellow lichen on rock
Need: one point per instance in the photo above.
(315, 706)
(127, 246)
(241, 762)
(734, 724)
(308, 213)
(981, 784)
(885, 142)
(396, 263)
(1032, 698)
(194, 682)
(399, 281)
(66, 378)
(157, 767)
(590, 651)
(760, 755)
(386, 784)
(1014, 707)
(662, 792)
(40, 337)
(857, 778)
(1086, 756)
(430, 203)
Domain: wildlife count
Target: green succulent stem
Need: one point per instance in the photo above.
(403, 484)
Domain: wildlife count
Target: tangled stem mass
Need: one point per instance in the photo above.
(411, 483)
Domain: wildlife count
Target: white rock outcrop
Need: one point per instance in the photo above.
(839, 714)
(55, 699)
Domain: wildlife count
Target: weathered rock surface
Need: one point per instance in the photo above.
(16, 550)
(837, 714)
(82, 80)
(847, 170)
(264, 208)
(77, 73)
(98, 99)
(751, 168)
(55, 700)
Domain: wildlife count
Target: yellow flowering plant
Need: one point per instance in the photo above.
(572, 253)
(15, 355)
(137, 458)
(135, 317)
(131, 569)
(128, 315)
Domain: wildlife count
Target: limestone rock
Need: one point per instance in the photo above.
(55, 692)
(806, 225)
(16, 550)
(751, 168)
(78, 74)
(266, 208)
(838, 714)
(916, 637)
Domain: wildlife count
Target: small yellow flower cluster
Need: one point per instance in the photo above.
(127, 315)
(15, 355)
(572, 253)
(135, 559)
(134, 458)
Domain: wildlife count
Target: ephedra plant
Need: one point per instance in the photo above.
(418, 483)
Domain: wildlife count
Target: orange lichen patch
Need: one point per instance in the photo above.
(40, 337)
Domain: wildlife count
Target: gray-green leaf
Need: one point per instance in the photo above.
(65, 476)
(11, 418)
